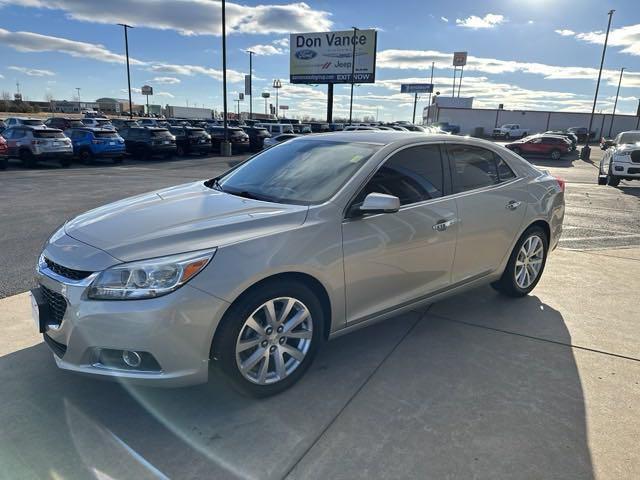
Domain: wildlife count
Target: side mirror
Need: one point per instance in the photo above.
(379, 203)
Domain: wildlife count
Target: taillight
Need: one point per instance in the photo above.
(561, 183)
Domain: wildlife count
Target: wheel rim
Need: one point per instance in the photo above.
(274, 340)
(529, 261)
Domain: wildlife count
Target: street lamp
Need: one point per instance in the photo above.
(225, 148)
(615, 104)
(126, 46)
(277, 85)
(79, 104)
(585, 153)
(251, 54)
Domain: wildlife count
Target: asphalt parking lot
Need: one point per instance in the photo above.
(480, 386)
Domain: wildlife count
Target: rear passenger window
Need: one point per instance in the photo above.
(504, 171)
(413, 175)
(474, 167)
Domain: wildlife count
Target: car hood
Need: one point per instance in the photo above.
(180, 219)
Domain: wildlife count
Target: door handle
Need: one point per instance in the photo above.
(512, 205)
(442, 225)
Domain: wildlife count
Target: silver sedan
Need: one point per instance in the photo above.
(308, 240)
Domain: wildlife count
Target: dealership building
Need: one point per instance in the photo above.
(481, 121)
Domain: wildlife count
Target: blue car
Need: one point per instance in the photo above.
(96, 143)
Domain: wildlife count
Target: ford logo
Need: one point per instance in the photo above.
(305, 54)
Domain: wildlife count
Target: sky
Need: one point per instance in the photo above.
(525, 54)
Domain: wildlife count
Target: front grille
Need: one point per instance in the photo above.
(633, 171)
(635, 156)
(66, 272)
(57, 304)
(58, 348)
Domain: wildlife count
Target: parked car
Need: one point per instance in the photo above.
(553, 146)
(301, 128)
(270, 142)
(238, 138)
(4, 153)
(413, 128)
(399, 128)
(20, 121)
(581, 133)
(572, 137)
(257, 137)
(509, 131)
(63, 123)
(336, 127)
(3, 126)
(277, 128)
(191, 140)
(145, 142)
(352, 128)
(121, 123)
(32, 143)
(255, 269)
(622, 160)
(90, 144)
(98, 123)
(446, 126)
(606, 143)
(319, 127)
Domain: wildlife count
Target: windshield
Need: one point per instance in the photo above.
(302, 172)
(105, 134)
(32, 122)
(629, 137)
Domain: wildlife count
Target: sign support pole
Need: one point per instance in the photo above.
(455, 70)
(415, 103)
(330, 103)
(429, 107)
(353, 72)
(460, 82)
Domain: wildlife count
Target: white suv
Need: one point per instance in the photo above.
(277, 128)
(622, 160)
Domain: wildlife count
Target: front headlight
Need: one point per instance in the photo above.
(148, 278)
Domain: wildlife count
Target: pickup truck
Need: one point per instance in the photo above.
(510, 130)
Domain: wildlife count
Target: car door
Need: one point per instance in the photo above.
(395, 258)
(491, 202)
(11, 144)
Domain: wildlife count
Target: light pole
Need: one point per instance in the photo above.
(353, 72)
(251, 54)
(615, 104)
(126, 47)
(429, 107)
(225, 149)
(277, 85)
(79, 105)
(585, 153)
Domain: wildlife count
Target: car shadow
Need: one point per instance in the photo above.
(420, 395)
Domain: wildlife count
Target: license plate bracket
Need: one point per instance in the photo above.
(40, 309)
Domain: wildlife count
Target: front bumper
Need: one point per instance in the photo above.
(41, 154)
(175, 329)
(626, 170)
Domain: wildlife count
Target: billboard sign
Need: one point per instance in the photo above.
(326, 57)
(147, 90)
(416, 88)
(247, 84)
(459, 59)
(284, 107)
(266, 94)
(240, 96)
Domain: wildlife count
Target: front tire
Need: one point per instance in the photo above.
(526, 264)
(507, 136)
(556, 154)
(612, 181)
(27, 158)
(268, 338)
(86, 157)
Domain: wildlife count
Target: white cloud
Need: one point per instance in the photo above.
(565, 32)
(166, 80)
(421, 60)
(490, 20)
(165, 94)
(191, 70)
(444, 19)
(191, 17)
(33, 72)
(266, 50)
(1, 76)
(627, 37)
(530, 22)
(282, 42)
(34, 42)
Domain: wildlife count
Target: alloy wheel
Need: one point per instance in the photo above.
(529, 261)
(274, 340)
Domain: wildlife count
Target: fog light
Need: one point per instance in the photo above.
(618, 168)
(132, 359)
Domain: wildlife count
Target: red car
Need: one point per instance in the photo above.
(552, 145)
(4, 153)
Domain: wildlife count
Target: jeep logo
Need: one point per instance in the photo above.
(305, 54)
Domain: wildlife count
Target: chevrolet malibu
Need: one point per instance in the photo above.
(319, 236)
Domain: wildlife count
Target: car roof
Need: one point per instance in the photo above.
(382, 137)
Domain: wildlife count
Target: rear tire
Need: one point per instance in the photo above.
(3, 163)
(602, 180)
(180, 151)
(118, 160)
(86, 157)
(517, 281)
(269, 348)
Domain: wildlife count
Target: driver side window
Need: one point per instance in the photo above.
(414, 175)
